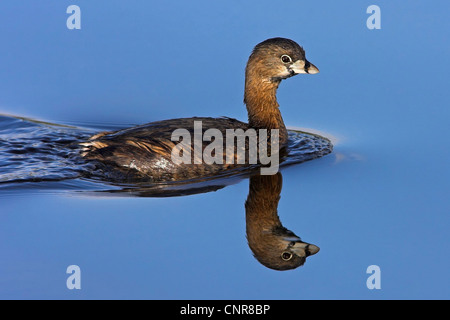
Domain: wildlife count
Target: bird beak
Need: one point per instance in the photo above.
(300, 248)
(303, 249)
(304, 66)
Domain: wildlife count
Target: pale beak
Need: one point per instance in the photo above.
(304, 66)
(303, 249)
(300, 248)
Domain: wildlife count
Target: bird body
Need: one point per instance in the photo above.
(147, 151)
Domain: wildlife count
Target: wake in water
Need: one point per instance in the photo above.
(36, 155)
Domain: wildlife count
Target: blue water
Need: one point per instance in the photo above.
(381, 198)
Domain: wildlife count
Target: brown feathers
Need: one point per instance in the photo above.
(146, 151)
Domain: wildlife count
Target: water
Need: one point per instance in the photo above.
(381, 198)
(34, 152)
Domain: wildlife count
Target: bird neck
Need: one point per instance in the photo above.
(262, 106)
(261, 206)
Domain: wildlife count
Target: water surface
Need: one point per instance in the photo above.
(42, 155)
(381, 198)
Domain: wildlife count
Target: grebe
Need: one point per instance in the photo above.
(144, 152)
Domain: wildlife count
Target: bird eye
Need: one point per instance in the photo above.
(286, 256)
(285, 58)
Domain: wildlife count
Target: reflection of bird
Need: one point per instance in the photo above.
(273, 245)
(145, 151)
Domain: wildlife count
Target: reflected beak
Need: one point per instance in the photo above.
(304, 66)
(303, 249)
(300, 248)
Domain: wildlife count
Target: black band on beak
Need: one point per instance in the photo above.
(307, 65)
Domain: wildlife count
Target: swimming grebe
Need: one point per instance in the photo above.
(144, 152)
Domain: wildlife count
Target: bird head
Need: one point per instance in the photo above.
(276, 59)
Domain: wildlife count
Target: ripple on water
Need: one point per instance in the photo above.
(36, 155)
